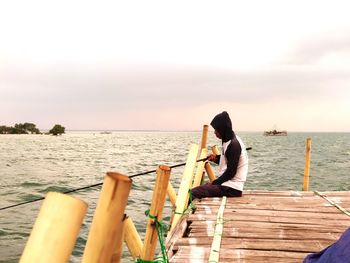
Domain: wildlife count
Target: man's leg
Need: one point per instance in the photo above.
(207, 190)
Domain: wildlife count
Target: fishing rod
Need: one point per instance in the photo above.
(99, 184)
(174, 166)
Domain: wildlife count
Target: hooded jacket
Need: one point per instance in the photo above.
(222, 123)
(233, 162)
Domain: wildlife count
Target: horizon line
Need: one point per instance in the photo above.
(185, 130)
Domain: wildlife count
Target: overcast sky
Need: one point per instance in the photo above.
(175, 65)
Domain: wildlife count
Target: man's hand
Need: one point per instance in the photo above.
(211, 157)
(216, 181)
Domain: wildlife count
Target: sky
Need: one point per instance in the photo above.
(174, 65)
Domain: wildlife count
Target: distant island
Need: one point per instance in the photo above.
(30, 128)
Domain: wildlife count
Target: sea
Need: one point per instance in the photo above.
(32, 165)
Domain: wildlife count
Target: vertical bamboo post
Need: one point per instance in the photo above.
(307, 165)
(208, 168)
(117, 253)
(156, 210)
(204, 136)
(107, 225)
(215, 150)
(132, 238)
(185, 185)
(200, 168)
(210, 172)
(172, 194)
(55, 230)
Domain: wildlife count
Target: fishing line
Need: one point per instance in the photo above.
(99, 184)
(93, 185)
(42, 198)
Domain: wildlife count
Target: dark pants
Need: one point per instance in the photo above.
(214, 190)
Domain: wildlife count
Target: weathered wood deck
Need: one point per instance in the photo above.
(260, 227)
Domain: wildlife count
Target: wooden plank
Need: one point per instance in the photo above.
(286, 204)
(282, 207)
(277, 193)
(267, 201)
(335, 203)
(308, 246)
(279, 245)
(280, 235)
(272, 219)
(337, 193)
(174, 235)
(268, 225)
(266, 233)
(188, 254)
(332, 214)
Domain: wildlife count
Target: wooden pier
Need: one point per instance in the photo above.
(260, 226)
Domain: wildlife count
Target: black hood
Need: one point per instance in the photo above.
(222, 123)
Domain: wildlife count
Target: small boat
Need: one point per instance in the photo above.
(105, 132)
(275, 133)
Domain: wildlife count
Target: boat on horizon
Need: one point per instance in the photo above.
(105, 132)
(275, 133)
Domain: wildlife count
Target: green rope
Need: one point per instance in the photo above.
(160, 228)
(191, 206)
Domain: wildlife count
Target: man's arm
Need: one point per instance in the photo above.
(232, 155)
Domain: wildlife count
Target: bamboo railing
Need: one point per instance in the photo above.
(57, 226)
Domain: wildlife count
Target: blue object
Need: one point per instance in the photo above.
(338, 252)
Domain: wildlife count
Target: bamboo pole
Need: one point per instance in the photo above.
(200, 168)
(132, 238)
(185, 185)
(214, 255)
(172, 194)
(307, 165)
(215, 150)
(107, 225)
(55, 230)
(204, 136)
(210, 172)
(117, 254)
(156, 210)
(208, 168)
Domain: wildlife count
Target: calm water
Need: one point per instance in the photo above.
(31, 165)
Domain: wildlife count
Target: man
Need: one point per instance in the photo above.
(233, 162)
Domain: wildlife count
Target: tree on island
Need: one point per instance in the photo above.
(57, 130)
(30, 128)
(20, 128)
(27, 127)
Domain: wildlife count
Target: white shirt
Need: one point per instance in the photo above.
(238, 180)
